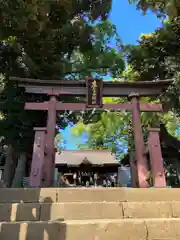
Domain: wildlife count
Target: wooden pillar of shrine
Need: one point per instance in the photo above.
(49, 163)
(36, 174)
(156, 159)
(141, 160)
(133, 168)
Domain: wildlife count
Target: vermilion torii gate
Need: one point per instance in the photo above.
(43, 162)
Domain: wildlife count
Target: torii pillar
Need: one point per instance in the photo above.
(49, 161)
(141, 160)
(156, 160)
(37, 165)
(43, 162)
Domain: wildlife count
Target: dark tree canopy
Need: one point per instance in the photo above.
(42, 35)
(158, 57)
(161, 7)
(49, 40)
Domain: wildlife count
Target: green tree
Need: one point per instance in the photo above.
(49, 39)
(113, 130)
(157, 57)
(161, 7)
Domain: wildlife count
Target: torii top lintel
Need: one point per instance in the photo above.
(79, 88)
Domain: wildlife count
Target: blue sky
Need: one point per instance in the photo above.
(130, 25)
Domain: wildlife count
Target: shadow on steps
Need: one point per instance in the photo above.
(14, 225)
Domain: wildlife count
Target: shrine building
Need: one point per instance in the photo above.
(87, 162)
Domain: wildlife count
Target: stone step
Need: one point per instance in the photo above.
(88, 195)
(109, 229)
(87, 210)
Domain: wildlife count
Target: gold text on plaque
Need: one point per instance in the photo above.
(94, 91)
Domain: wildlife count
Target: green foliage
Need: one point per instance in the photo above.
(157, 57)
(101, 59)
(104, 133)
(58, 142)
(53, 29)
(160, 7)
(151, 58)
(130, 74)
(50, 39)
(113, 130)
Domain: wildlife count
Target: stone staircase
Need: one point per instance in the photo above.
(90, 214)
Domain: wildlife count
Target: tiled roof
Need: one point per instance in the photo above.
(77, 157)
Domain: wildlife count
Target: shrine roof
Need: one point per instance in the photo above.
(78, 157)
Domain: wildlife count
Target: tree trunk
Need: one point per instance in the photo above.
(9, 168)
(20, 171)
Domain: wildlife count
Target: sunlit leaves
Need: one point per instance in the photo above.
(59, 142)
(109, 132)
(160, 7)
(79, 129)
(157, 57)
(114, 130)
(130, 74)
